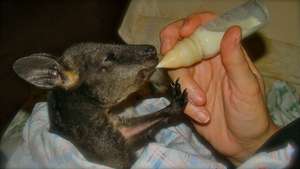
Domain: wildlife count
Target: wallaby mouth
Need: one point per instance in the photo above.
(150, 62)
(144, 74)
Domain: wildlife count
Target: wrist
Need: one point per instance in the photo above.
(250, 146)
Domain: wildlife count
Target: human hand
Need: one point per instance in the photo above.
(225, 92)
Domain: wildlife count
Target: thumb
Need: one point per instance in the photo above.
(235, 62)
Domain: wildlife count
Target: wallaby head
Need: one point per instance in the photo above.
(111, 72)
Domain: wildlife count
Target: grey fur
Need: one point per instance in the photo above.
(89, 83)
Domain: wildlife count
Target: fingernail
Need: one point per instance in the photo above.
(162, 47)
(202, 117)
(237, 44)
(237, 39)
(165, 45)
(184, 30)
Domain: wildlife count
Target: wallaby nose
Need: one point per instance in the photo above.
(150, 51)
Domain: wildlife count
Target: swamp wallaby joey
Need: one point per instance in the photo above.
(87, 83)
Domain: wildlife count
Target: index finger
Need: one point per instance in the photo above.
(182, 28)
(192, 22)
(169, 36)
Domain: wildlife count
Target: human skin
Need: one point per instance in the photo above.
(226, 92)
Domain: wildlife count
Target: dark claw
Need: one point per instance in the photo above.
(184, 97)
(178, 98)
(176, 89)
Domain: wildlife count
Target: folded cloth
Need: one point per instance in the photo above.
(42, 149)
(283, 103)
(175, 147)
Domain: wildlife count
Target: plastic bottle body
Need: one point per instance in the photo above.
(209, 40)
(205, 41)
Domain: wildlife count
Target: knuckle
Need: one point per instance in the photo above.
(209, 13)
(167, 31)
(205, 13)
(163, 32)
(171, 28)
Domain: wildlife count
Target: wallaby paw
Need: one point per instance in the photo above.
(178, 98)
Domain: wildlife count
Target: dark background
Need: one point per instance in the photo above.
(28, 26)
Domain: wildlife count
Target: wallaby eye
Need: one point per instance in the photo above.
(103, 69)
(110, 57)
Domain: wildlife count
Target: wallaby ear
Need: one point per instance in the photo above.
(40, 70)
(43, 71)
